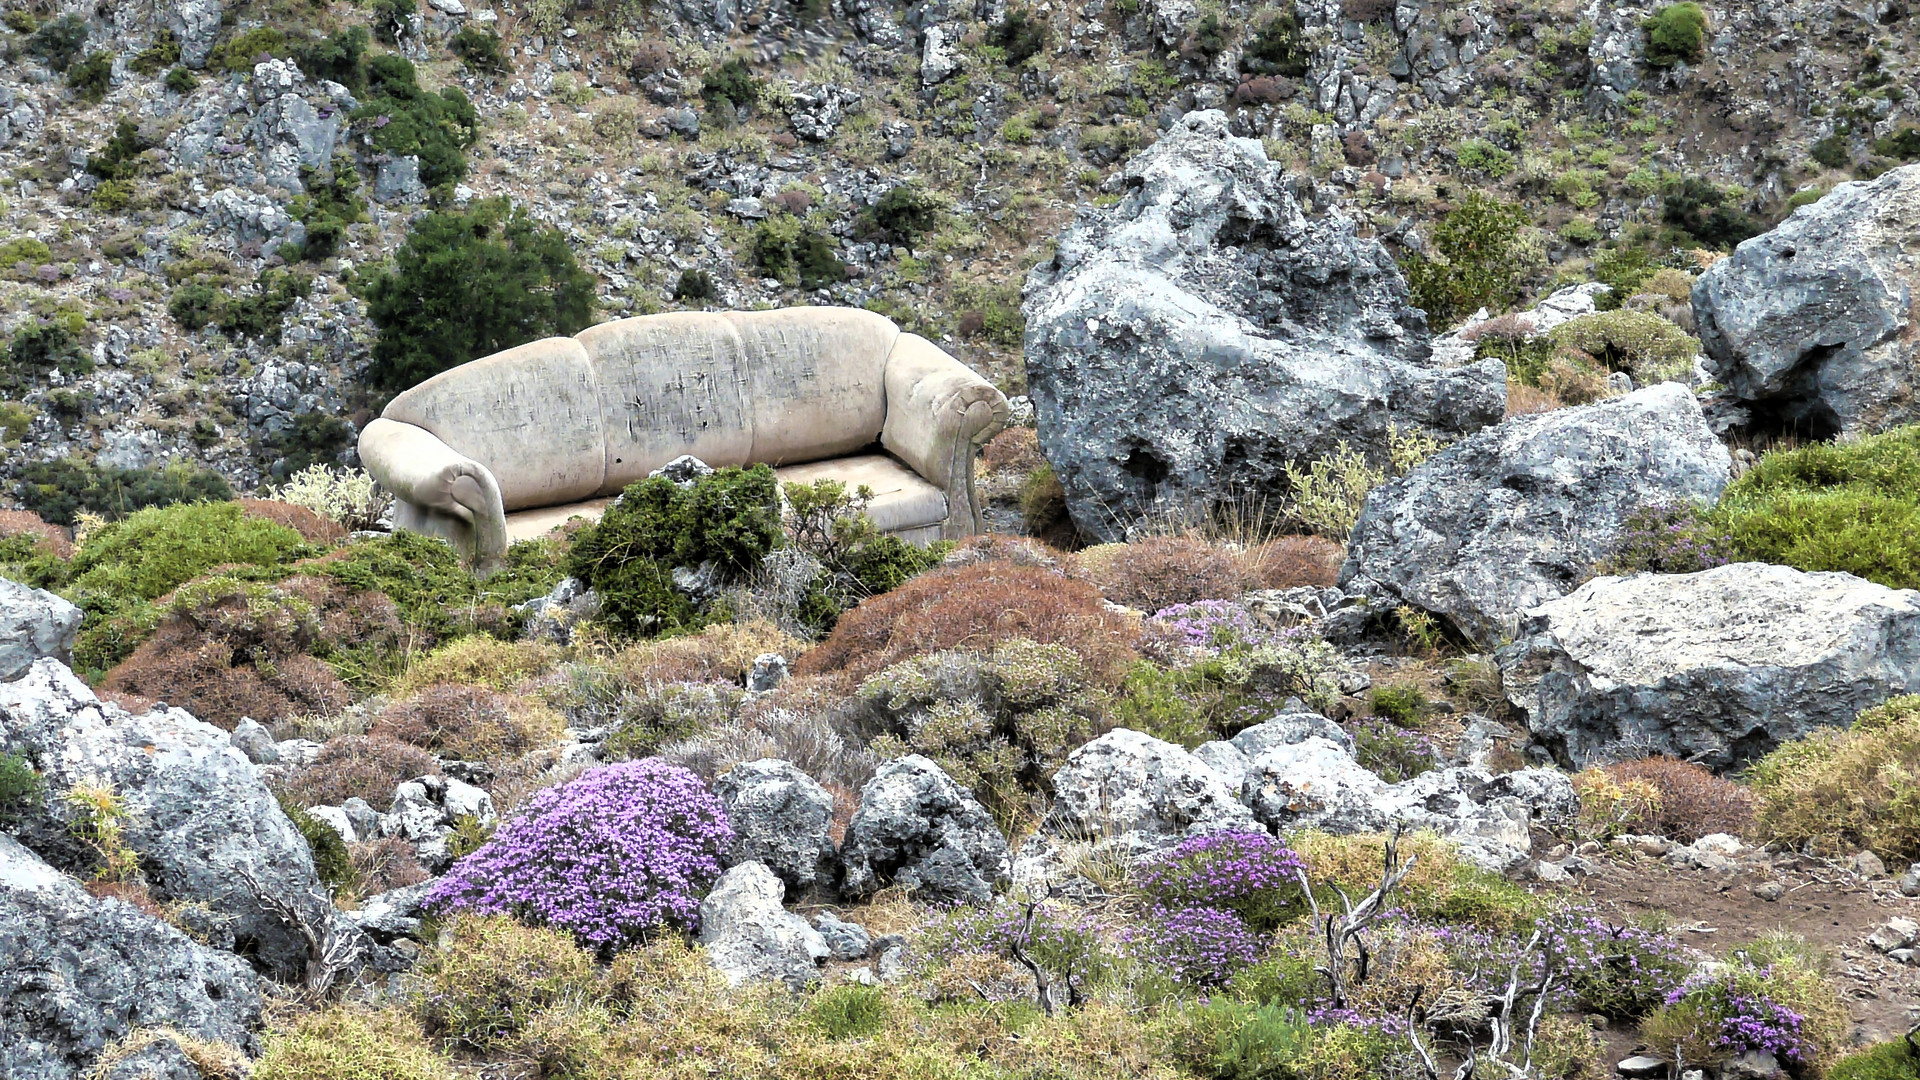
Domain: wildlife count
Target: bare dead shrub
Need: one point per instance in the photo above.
(54, 539)
(367, 766)
(385, 864)
(1014, 448)
(1287, 562)
(1161, 571)
(472, 723)
(1693, 801)
(312, 528)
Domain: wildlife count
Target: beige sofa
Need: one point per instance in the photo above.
(510, 445)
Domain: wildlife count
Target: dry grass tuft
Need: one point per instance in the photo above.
(312, 528)
(472, 723)
(54, 539)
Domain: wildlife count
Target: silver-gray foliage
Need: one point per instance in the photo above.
(1188, 343)
(1517, 515)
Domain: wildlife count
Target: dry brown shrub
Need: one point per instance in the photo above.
(1161, 571)
(137, 704)
(1575, 379)
(1693, 801)
(134, 893)
(471, 723)
(312, 528)
(1288, 562)
(723, 652)
(368, 766)
(1509, 327)
(1014, 448)
(210, 680)
(386, 864)
(1017, 550)
(1524, 400)
(479, 660)
(54, 539)
(978, 606)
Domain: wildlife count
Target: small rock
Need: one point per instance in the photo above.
(255, 741)
(1640, 1065)
(892, 963)
(1910, 881)
(1902, 956)
(1550, 873)
(1769, 891)
(683, 470)
(1752, 1065)
(1867, 865)
(845, 940)
(1895, 933)
(336, 819)
(769, 671)
(1719, 844)
(34, 623)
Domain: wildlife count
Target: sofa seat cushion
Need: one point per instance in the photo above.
(902, 501)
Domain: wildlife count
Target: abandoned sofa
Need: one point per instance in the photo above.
(510, 445)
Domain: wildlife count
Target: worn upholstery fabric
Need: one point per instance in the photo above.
(438, 491)
(816, 384)
(670, 384)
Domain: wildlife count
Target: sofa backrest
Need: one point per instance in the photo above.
(565, 419)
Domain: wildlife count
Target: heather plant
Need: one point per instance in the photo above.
(1197, 946)
(1716, 1015)
(1640, 343)
(612, 856)
(1211, 626)
(1682, 538)
(1063, 940)
(1392, 752)
(1251, 875)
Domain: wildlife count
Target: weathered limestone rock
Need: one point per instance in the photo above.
(1516, 515)
(749, 937)
(33, 623)
(781, 818)
(1810, 326)
(1190, 342)
(916, 827)
(1718, 666)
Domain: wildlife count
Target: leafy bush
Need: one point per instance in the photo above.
(391, 18)
(1642, 344)
(1701, 207)
(1481, 156)
(795, 253)
(1853, 507)
(314, 440)
(1402, 704)
(976, 606)
(1394, 754)
(999, 723)
(1896, 1060)
(1676, 34)
(340, 57)
(906, 213)
(1842, 790)
(479, 48)
(60, 490)
(1479, 260)
(1783, 1010)
(730, 519)
(59, 41)
(91, 77)
(611, 856)
(849, 1011)
(1043, 507)
(181, 81)
(1673, 539)
(695, 285)
(331, 863)
(157, 549)
(1328, 495)
(404, 119)
(1022, 34)
(238, 54)
(1277, 48)
(731, 84)
(467, 283)
(358, 766)
(19, 786)
(829, 524)
(331, 203)
(38, 347)
(1233, 1040)
(255, 313)
(350, 1043)
(438, 598)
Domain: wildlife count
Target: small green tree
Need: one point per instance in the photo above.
(467, 283)
(404, 120)
(1480, 260)
(1676, 34)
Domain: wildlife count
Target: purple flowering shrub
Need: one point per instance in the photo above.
(1198, 946)
(1678, 539)
(1212, 903)
(1623, 972)
(1713, 1016)
(610, 856)
(1061, 939)
(1211, 626)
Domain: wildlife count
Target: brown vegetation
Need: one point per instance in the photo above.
(1693, 802)
(382, 865)
(1014, 448)
(367, 766)
(54, 539)
(312, 528)
(472, 723)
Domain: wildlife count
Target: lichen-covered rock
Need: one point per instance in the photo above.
(749, 937)
(1718, 666)
(1810, 326)
(198, 813)
(917, 828)
(79, 973)
(782, 818)
(1190, 342)
(1132, 788)
(33, 623)
(1517, 515)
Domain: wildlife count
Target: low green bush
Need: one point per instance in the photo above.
(60, 490)
(695, 285)
(1676, 34)
(1022, 35)
(1853, 507)
(163, 53)
(340, 57)
(1896, 1060)
(59, 41)
(347, 1043)
(906, 214)
(1277, 48)
(471, 282)
(479, 48)
(91, 77)
(1402, 703)
(1706, 212)
(1642, 344)
(331, 203)
(38, 347)
(238, 54)
(1479, 264)
(730, 83)
(181, 81)
(154, 551)
(403, 119)
(797, 254)
(440, 599)
(20, 787)
(391, 18)
(849, 1011)
(1840, 790)
(331, 863)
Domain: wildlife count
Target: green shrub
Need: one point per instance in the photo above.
(59, 41)
(1479, 264)
(1896, 1060)
(1831, 151)
(181, 81)
(59, 490)
(695, 285)
(259, 311)
(1022, 35)
(1640, 343)
(91, 77)
(1701, 207)
(1238, 1041)
(1853, 507)
(1902, 145)
(164, 52)
(346, 1042)
(331, 863)
(238, 54)
(1403, 704)
(155, 550)
(1717, 1015)
(467, 283)
(438, 597)
(1481, 156)
(341, 57)
(331, 203)
(39, 347)
(119, 159)
(314, 438)
(23, 249)
(19, 786)
(479, 48)
(730, 84)
(849, 1011)
(1845, 789)
(795, 253)
(1676, 34)
(1623, 270)
(1277, 48)
(905, 213)
(731, 519)
(403, 119)
(391, 18)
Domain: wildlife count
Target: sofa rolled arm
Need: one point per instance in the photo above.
(439, 491)
(938, 411)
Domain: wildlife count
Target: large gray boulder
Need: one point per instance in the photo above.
(1810, 326)
(781, 817)
(917, 828)
(198, 813)
(749, 937)
(33, 623)
(1129, 788)
(80, 973)
(1188, 343)
(1718, 666)
(1517, 515)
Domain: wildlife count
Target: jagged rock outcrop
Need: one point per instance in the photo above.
(1515, 516)
(917, 828)
(33, 623)
(1193, 340)
(1130, 788)
(1810, 326)
(782, 818)
(750, 938)
(198, 813)
(78, 973)
(1718, 666)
